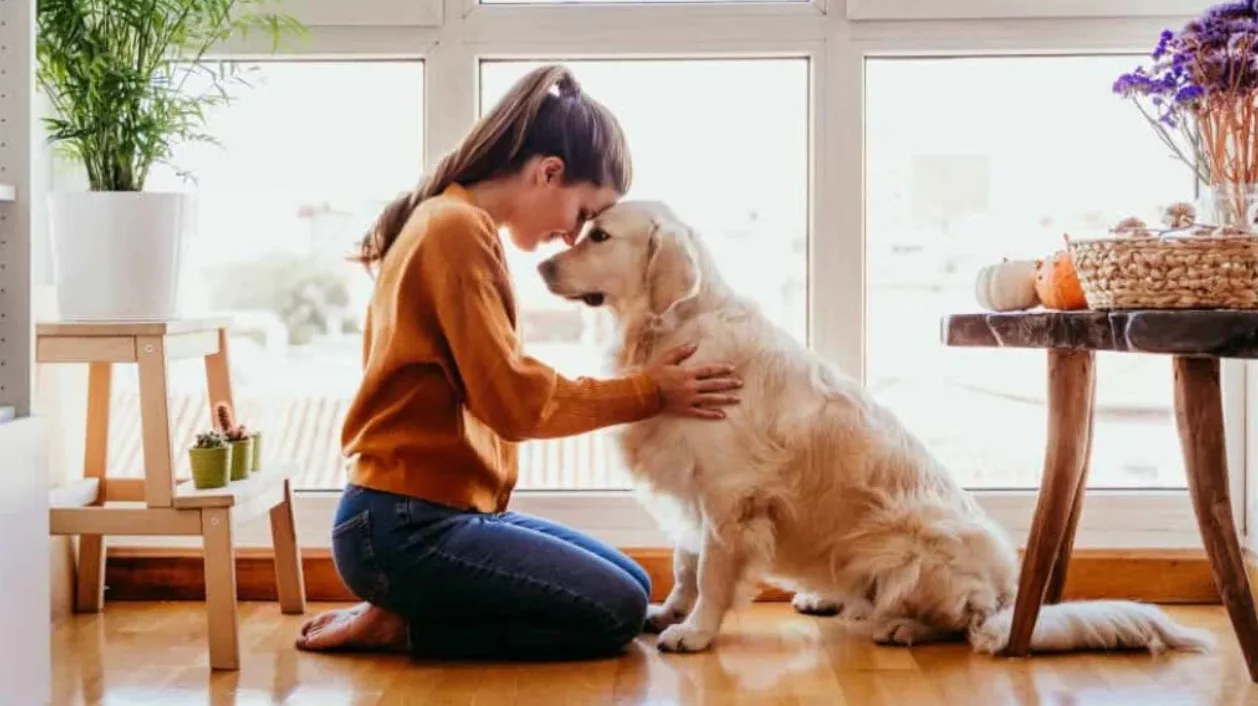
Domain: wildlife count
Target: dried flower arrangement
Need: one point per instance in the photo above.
(1200, 95)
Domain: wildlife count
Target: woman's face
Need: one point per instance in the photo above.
(548, 208)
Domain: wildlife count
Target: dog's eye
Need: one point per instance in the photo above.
(597, 235)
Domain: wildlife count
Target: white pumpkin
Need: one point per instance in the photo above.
(1008, 286)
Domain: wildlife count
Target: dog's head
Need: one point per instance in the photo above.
(635, 256)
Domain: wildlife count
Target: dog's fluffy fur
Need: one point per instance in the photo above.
(809, 484)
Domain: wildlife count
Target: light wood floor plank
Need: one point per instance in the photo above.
(155, 653)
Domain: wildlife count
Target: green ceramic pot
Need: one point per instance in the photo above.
(210, 467)
(257, 451)
(242, 456)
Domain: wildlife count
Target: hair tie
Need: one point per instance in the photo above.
(568, 86)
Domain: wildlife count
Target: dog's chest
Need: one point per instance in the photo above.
(651, 443)
(660, 453)
(664, 470)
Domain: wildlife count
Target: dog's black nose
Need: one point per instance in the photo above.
(547, 268)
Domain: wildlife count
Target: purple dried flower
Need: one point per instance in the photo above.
(1229, 10)
(1243, 41)
(1163, 41)
(1188, 94)
(1132, 83)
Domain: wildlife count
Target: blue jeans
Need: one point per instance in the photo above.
(487, 586)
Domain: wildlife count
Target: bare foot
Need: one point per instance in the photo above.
(364, 627)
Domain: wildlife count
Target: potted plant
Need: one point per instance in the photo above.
(211, 460)
(116, 74)
(238, 439)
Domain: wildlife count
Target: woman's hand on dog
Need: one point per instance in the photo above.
(694, 391)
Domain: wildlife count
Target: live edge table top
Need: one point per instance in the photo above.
(1191, 332)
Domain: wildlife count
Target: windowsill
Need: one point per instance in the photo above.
(1136, 519)
(1152, 575)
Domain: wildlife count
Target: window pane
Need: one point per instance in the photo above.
(973, 159)
(732, 161)
(307, 158)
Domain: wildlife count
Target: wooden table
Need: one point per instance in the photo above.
(1197, 340)
(158, 503)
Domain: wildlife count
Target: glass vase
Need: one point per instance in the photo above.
(1232, 206)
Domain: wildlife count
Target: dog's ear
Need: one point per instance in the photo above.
(672, 271)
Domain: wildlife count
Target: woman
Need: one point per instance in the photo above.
(422, 534)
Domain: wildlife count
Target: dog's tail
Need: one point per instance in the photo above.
(1093, 625)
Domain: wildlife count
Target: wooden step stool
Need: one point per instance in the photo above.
(155, 505)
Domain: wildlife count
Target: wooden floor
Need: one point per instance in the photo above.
(154, 653)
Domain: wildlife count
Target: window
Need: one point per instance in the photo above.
(933, 147)
(307, 158)
(732, 162)
(985, 174)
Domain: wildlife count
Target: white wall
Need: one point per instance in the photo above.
(25, 632)
(25, 635)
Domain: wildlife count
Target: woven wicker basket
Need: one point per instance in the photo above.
(1179, 271)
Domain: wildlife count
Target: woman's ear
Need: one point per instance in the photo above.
(551, 170)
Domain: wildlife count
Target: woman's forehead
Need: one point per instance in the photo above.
(598, 199)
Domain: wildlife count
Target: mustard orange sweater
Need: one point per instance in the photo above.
(446, 391)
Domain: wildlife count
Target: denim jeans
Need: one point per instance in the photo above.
(487, 586)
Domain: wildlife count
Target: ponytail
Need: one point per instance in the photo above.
(529, 120)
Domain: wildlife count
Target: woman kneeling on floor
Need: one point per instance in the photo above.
(422, 535)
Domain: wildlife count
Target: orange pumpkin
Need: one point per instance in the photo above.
(1057, 283)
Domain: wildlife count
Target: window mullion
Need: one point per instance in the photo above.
(836, 242)
(451, 78)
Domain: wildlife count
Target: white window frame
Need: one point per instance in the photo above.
(861, 10)
(836, 38)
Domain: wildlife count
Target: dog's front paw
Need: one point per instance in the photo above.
(820, 605)
(685, 638)
(661, 617)
(815, 604)
(857, 610)
(904, 632)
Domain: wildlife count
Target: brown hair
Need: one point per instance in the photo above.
(530, 120)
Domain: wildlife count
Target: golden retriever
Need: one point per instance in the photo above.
(809, 484)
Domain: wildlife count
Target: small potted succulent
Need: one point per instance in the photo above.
(210, 457)
(238, 439)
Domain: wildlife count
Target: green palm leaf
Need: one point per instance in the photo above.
(116, 74)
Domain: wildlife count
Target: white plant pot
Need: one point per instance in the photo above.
(116, 255)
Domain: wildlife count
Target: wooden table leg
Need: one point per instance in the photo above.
(1057, 581)
(1070, 386)
(1199, 415)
